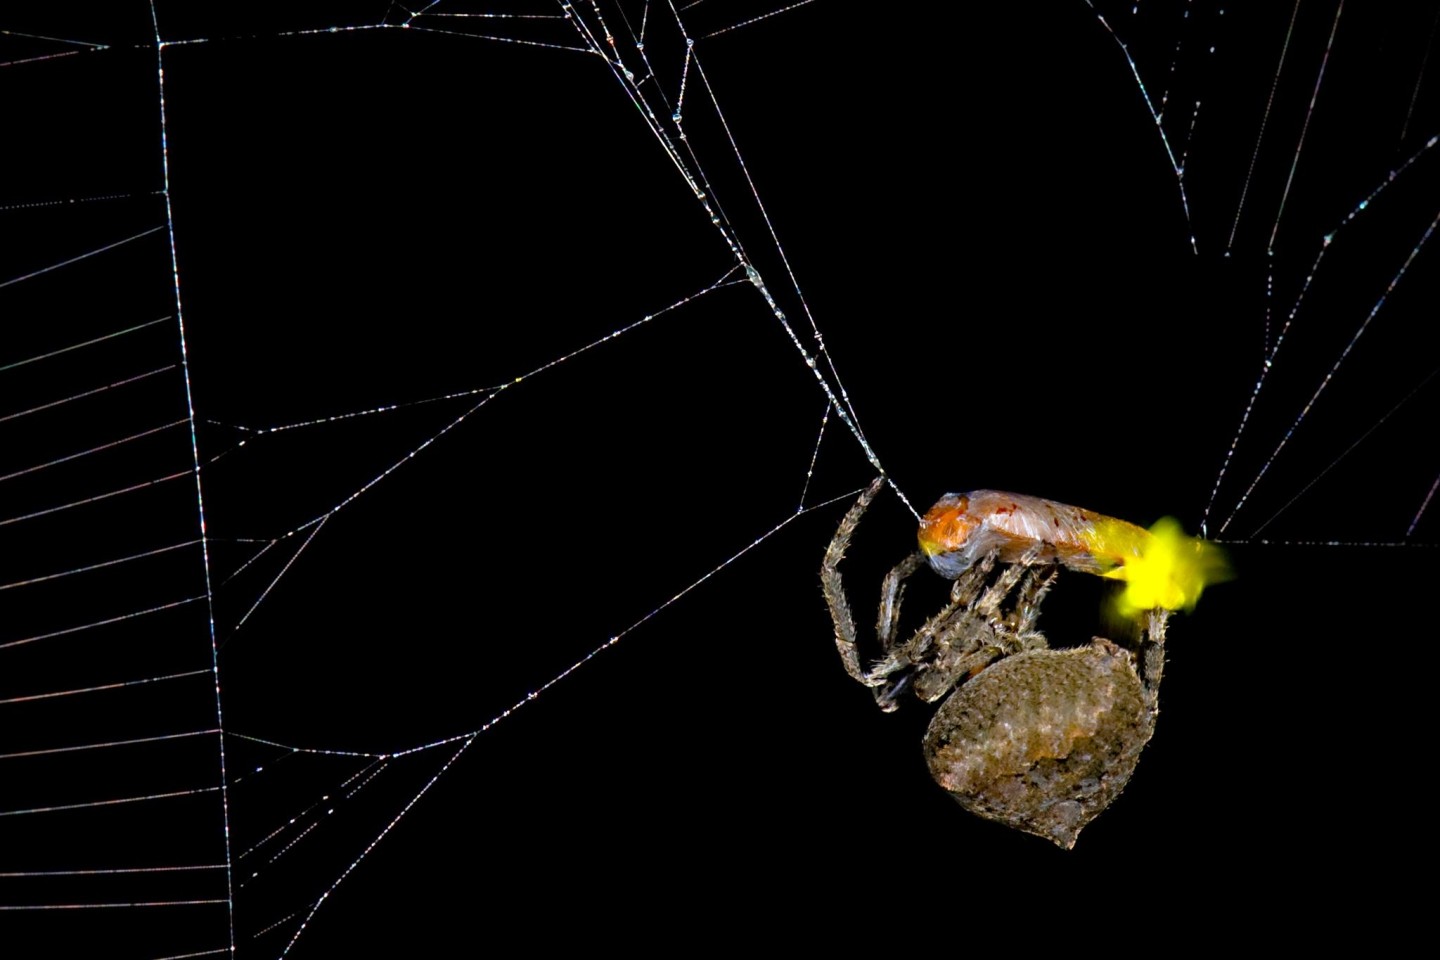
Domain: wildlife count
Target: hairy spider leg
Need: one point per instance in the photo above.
(971, 630)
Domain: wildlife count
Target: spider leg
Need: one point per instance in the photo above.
(1021, 622)
(949, 644)
(903, 662)
(962, 598)
(892, 591)
(979, 626)
(886, 696)
(969, 584)
(834, 589)
(966, 642)
(1152, 652)
(994, 597)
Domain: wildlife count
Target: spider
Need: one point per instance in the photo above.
(1039, 739)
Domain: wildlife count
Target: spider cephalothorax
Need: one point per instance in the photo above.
(1041, 740)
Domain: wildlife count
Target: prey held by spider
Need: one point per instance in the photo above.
(1039, 739)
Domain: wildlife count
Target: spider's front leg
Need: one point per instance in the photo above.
(940, 638)
(846, 640)
(892, 591)
(1020, 623)
(981, 624)
(911, 661)
(889, 677)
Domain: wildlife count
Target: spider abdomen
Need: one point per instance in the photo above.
(1043, 741)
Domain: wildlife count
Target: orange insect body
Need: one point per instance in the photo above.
(961, 528)
(1162, 568)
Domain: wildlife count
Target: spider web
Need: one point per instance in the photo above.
(489, 362)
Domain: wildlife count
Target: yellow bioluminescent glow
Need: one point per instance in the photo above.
(1167, 569)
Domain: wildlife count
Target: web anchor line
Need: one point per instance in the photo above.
(1274, 349)
(1175, 165)
(465, 740)
(625, 77)
(1305, 128)
(1330, 374)
(195, 462)
(544, 687)
(1351, 449)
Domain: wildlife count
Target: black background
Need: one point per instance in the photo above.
(988, 232)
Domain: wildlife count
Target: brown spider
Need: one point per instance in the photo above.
(1041, 740)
